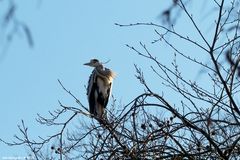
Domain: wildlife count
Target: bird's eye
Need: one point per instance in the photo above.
(94, 60)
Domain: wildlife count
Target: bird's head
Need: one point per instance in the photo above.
(93, 63)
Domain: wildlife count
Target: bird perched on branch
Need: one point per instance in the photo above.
(99, 87)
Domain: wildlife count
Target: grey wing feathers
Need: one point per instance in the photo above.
(92, 87)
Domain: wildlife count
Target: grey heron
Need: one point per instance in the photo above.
(99, 87)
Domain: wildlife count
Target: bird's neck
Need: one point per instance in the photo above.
(100, 67)
(104, 72)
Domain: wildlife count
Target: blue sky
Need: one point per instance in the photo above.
(67, 34)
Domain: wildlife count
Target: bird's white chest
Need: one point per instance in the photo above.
(103, 85)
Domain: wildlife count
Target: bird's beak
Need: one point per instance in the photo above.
(86, 64)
